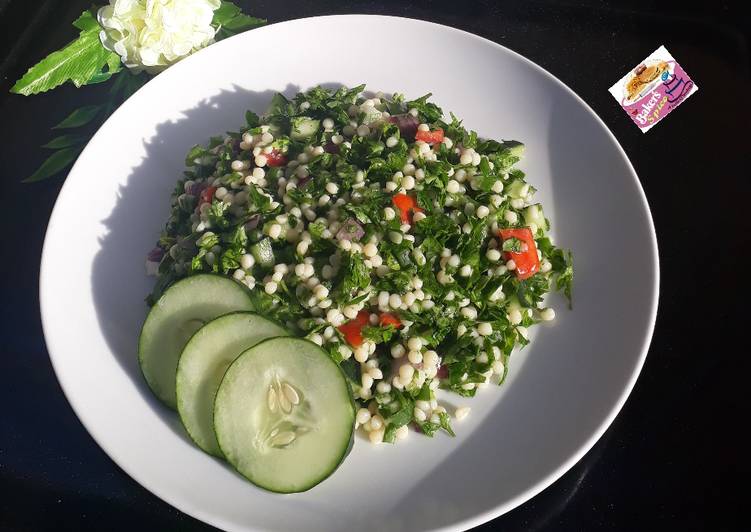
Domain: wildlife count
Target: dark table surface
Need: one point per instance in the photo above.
(675, 457)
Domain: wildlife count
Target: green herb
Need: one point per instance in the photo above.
(512, 244)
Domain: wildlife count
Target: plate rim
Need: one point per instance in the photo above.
(465, 523)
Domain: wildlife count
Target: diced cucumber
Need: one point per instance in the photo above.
(514, 147)
(181, 311)
(516, 188)
(263, 253)
(533, 215)
(303, 127)
(203, 362)
(284, 415)
(370, 114)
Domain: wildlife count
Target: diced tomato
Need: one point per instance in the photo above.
(275, 158)
(390, 319)
(207, 194)
(430, 137)
(527, 261)
(352, 330)
(407, 205)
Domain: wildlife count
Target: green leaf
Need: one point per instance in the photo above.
(225, 13)
(113, 65)
(54, 164)
(78, 62)
(65, 141)
(80, 117)
(86, 22)
(230, 20)
(512, 244)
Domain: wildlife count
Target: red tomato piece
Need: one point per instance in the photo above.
(207, 194)
(389, 319)
(527, 262)
(407, 205)
(275, 158)
(430, 137)
(352, 330)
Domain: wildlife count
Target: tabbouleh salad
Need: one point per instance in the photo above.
(406, 246)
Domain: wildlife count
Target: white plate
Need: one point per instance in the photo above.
(564, 389)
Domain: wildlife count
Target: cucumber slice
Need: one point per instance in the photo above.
(284, 415)
(303, 128)
(173, 319)
(533, 215)
(263, 253)
(516, 189)
(205, 358)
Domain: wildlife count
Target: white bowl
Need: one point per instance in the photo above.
(564, 389)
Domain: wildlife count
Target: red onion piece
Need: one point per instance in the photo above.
(252, 222)
(350, 230)
(155, 255)
(407, 125)
(330, 147)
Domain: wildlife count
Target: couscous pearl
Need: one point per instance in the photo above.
(465, 157)
(430, 358)
(419, 414)
(416, 217)
(454, 261)
(408, 182)
(493, 255)
(367, 382)
(547, 314)
(260, 160)
(370, 250)
(453, 186)
(465, 270)
(415, 357)
(497, 367)
(395, 301)
(523, 332)
(270, 287)
(415, 343)
(328, 123)
(397, 350)
(239, 275)
(515, 317)
(510, 265)
(247, 261)
(337, 139)
(275, 231)
(482, 211)
(546, 266)
(363, 416)
(469, 312)
(363, 130)
(391, 142)
(332, 188)
(511, 217)
(485, 329)
(376, 436)
(461, 412)
(383, 387)
(406, 372)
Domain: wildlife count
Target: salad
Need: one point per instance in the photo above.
(409, 250)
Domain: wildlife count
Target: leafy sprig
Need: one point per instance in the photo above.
(85, 61)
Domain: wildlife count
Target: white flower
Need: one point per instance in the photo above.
(153, 34)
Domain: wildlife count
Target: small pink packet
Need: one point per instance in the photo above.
(653, 89)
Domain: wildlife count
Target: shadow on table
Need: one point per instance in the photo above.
(118, 279)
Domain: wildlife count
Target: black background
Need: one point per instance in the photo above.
(675, 457)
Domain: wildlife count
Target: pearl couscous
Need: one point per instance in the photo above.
(406, 246)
